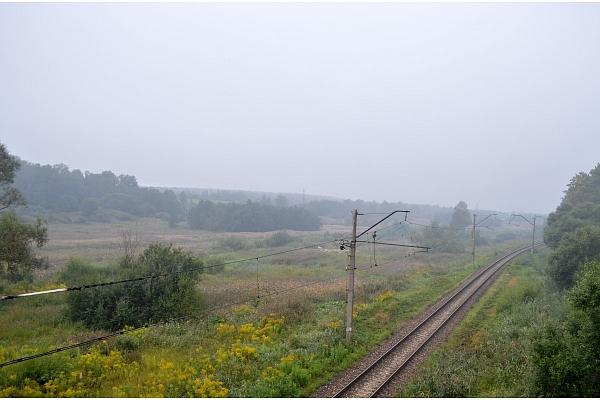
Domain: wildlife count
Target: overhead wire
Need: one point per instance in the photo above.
(163, 275)
(153, 276)
(436, 227)
(150, 325)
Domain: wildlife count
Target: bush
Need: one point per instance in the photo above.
(233, 243)
(101, 216)
(566, 354)
(441, 239)
(574, 249)
(215, 264)
(166, 292)
(121, 215)
(277, 239)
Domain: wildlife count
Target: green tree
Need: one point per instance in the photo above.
(461, 217)
(17, 257)
(9, 165)
(574, 249)
(566, 355)
(249, 217)
(173, 220)
(282, 202)
(441, 239)
(89, 206)
(573, 230)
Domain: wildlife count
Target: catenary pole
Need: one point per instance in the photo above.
(533, 237)
(350, 284)
(473, 242)
(475, 226)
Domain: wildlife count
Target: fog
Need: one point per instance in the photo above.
(495, 104)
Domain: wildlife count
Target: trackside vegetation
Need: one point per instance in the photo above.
(278, 347)
(523, 339)
(490, 354)
(537, 331)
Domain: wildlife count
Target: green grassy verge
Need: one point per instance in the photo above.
(488, 355)
(286, 343)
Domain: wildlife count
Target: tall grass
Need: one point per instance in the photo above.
(286, 301)
(488, 355)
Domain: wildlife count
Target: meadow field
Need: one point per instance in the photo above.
(273, 323)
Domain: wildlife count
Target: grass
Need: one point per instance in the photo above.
(488, 355)
(302, 347)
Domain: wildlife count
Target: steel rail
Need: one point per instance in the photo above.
(491, 270)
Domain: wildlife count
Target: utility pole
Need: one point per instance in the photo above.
(531, 223)
(352, 264)
(534, 217)
(473, 243)
(350, 284)
(533, 237)
(475, 226)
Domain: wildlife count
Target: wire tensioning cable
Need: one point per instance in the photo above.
(394, 226)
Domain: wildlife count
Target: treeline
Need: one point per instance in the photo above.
(105, 196)
(249, 217)
(59, 189)
(342, 210)
(566, 354)
(326, 206)
(573, 231)
(101, 197)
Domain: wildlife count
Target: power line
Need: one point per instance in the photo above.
(141, 278)
(170, 320)
(395, 226)
(437, 227)
(365, 268)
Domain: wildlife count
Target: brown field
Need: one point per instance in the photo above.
(278, 279)
(102, 242)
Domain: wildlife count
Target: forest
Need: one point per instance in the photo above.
(103, 197)
(56, 192)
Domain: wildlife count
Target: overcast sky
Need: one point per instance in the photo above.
(496, 104)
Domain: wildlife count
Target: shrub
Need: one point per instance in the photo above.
(566, 355)
(215, 264)
(277, 239)
(168, 291)
(233, 243)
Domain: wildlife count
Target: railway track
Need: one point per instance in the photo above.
(373, 380)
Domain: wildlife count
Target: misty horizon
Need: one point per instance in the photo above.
(494, 104)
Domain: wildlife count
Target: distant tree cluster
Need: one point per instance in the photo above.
(249, 217)
(448, 238)
(460, 217)
(342, 210)
(59, 189)
(105, 196)
(441, 239)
